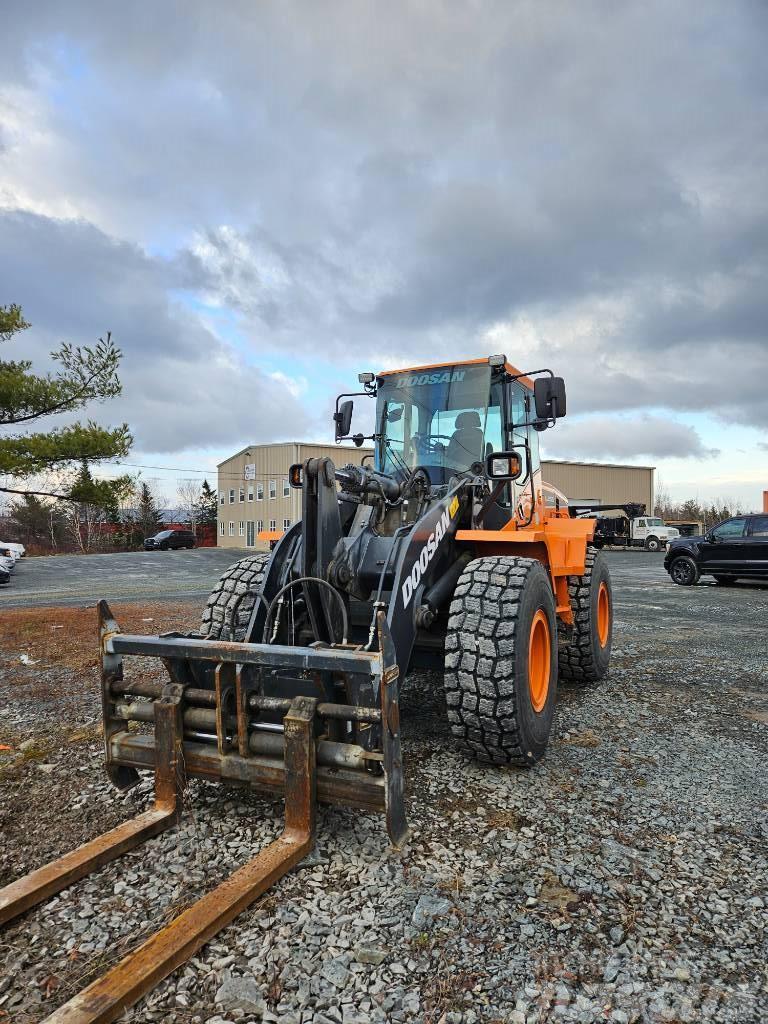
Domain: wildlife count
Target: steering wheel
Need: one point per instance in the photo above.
(426, 443)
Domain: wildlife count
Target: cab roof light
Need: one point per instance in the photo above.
(366, 378)
(499, 360)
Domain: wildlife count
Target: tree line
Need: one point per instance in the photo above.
(45, 526)
(708, 513)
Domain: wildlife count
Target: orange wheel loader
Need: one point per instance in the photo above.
(447, 551)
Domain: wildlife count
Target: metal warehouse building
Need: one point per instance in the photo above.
(254, 494)
(601, 482)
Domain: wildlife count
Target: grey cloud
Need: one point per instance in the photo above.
(182, 387)
(395, 184)
(601, 437)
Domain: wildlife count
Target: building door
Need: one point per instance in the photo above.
(250, 534)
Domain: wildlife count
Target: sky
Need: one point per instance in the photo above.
(262, 200)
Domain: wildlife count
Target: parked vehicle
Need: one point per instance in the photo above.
(736, 548)
(17, 550)
(632, 529)
(170, 539)
(7, 561)
(5, 576)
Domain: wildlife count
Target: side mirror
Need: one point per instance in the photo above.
(711, 538)
(549, 397)
(503, 466)
(342, 419)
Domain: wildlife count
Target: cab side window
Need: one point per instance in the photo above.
(729, 529)
(759, 527)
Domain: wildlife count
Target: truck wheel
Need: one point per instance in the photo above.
(585, 648)
(223, 617)
(501, 660)
(653, 544)
(684, 571)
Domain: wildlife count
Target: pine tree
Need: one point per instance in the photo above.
(148, 519)
(209, 509)
(85, 375)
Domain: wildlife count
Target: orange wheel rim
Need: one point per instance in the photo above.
(603, 615)
(539, 660)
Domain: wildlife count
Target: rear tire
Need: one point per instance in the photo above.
(501, 660)
(228, 609)
(585, 648)
(684, 571)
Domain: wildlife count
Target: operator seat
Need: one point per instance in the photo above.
(467, 442)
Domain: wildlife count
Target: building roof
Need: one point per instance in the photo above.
(599, 465)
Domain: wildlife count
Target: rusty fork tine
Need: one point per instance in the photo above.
(107, 998)
(40, 885)
(52, 878)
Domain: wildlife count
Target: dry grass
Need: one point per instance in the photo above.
(69, 636)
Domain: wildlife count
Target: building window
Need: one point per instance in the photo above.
(242, 494)
(221, 528)
(250, 492)
(241, 528)
(231, 528)
(273, 488)
(222, 496)
(259, 525)
(272, 524)
(259, 492)
(232, 496)
(286, 488)
(286, 524)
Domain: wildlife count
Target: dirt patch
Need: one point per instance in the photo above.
(46, 637)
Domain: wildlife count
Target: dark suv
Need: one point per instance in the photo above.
(170, 539)
(733, 549)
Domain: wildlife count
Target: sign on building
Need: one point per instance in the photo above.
(250, 471)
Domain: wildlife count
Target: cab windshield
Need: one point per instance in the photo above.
(443, 419)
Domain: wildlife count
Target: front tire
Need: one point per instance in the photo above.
(228, 609)
(585, 650)
(684, 571)
(653, 544)
(501, 660)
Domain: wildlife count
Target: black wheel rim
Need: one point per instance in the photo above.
(681, 572)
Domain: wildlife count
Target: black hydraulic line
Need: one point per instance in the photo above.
(293, 583)
(377, 604)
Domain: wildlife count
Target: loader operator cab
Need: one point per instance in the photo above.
(449, 419)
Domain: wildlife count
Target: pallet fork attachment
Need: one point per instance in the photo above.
(305, 758)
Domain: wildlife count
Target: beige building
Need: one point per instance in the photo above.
(254, 493)
(601, 482)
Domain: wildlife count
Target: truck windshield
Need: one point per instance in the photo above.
(443, 419)
(654, 522)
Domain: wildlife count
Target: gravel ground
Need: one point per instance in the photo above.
(622, 879)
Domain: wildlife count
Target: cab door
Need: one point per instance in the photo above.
(757, 542)
(725, 549)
